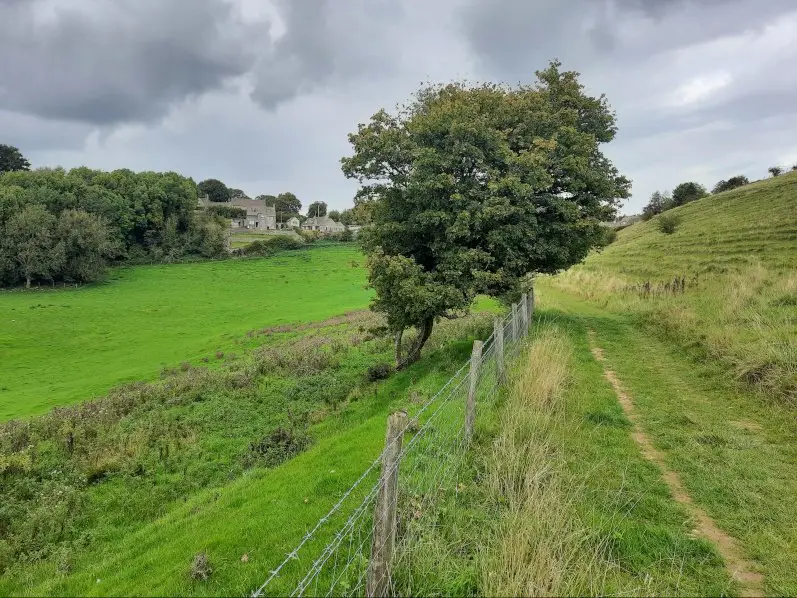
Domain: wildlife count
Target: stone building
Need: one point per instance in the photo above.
(258, 215)
(323, 224)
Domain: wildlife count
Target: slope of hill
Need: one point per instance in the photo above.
(738, 254)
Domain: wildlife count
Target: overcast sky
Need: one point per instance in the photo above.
(262, 93)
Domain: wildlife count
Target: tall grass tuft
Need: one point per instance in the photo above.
(539, 547)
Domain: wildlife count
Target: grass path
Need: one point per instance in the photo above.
(735, 455)
(739, 566)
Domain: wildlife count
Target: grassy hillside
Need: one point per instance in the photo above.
(738, 253)
(61, 346)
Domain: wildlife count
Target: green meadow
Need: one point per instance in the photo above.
(66, 345)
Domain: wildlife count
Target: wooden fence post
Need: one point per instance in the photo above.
(531, 305)
(470, 406)
(524, 312)
(498, 339)
(384, 531)
(514, 322)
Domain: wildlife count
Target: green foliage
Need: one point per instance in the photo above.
(12, 159)
(659, 202)
(271, 246)
(86, 246)
(347, 217)
(608, 237)
(775, 171)
(317, 208)
(215, 190)
(238, 193)
(732, 183)
(686, 192)
(472, 188)
(227, 211)
(335, 215)
(286, 205)
(30, 244)
(146, 216)
(668, 223)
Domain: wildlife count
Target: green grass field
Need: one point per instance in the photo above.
(713, 370)
(738, 252)
(62, 346)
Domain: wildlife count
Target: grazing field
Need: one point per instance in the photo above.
(65, 345)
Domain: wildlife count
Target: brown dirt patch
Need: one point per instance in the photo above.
(751, 583)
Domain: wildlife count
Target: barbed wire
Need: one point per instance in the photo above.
(429, 461)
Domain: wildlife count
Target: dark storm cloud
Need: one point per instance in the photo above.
(104, 62)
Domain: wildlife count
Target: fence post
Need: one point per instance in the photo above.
(524, 311)
(384, 531)
(470, 406)
(514, 322)
(498, 339)
(531, 305)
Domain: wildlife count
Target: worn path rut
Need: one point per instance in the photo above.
(741, 568)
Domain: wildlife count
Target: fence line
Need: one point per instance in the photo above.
(366, 548)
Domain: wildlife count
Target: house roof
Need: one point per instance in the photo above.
(321, 221)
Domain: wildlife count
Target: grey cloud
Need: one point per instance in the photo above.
(325, 41)
(107, 62)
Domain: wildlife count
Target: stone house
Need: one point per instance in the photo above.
(258, 215)
(323, 224)
(292, 222)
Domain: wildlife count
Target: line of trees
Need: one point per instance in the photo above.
(691, 191)
(60, 225)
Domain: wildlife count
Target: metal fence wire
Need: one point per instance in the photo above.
(337, 556)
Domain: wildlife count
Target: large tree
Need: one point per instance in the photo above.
(686, 192)
(317, 208)
(11, 159)
(215, 190)
(85, 245)
(287, 205)
(473, 188)
(659, 202)
(335, 215)
(30, 242)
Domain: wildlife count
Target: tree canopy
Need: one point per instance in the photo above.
(335, 215)
(686, 192)
(317, 208)
(732, 183)
(287, 205)
(215, 190)
(471, 188)
(67, 225)
(11, 159)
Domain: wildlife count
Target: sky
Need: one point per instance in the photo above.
(262, 93)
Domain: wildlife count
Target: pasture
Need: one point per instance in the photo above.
(60, 346)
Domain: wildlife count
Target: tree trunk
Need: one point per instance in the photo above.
(27, 282)
(414, 352)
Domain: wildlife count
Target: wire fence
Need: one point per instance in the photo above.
(370, 531)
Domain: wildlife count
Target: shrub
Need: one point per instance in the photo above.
(668, 223)
(280, 444)
(732, 183)
(775, 171)
(271, 246)
(379, 371)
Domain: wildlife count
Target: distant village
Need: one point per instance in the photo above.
(262, 217)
